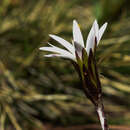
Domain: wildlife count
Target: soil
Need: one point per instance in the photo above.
(84, 127)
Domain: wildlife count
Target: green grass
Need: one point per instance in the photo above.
(27, 78)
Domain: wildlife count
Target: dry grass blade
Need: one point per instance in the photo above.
(2, 119)
(32, 86)
(12, 117)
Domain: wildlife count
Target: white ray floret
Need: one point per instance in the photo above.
(95, 32)
(77, 35)
(59, 52)
(78, 42)
(101, 31)
(63, 42)
(71, 57)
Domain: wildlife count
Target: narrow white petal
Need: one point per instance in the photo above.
(77, 35)
(56, 50)
(64, 43)
(91, 38)
(101, 31)
(63, 56)
(51, 55)
(96, 28)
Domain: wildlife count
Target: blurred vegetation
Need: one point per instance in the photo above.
(35, 90)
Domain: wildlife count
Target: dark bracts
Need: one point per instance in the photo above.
(88, 73)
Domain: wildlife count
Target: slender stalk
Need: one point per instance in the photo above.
(102, 116)
(99, 108)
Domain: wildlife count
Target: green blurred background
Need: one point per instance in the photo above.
(35, 91)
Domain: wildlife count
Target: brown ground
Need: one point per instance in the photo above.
(85, 127)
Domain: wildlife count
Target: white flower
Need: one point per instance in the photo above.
(78, 42)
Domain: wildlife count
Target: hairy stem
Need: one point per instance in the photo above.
(102, 117)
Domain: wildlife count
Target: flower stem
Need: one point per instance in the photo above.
(101, 115)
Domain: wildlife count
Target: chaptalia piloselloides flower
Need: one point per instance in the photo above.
(77, 43)
(83, 57)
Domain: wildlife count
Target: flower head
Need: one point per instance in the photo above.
(83, 55)
(78, 44)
